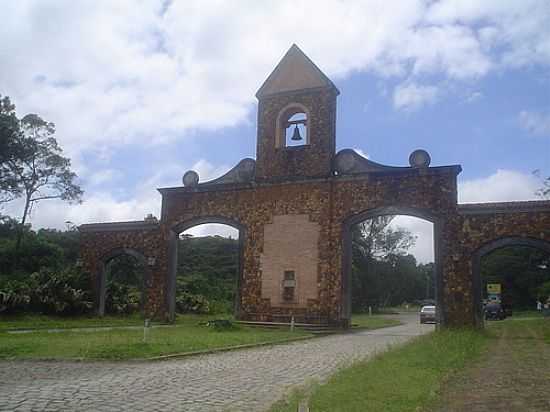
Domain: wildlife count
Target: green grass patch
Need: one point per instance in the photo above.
(187, 336)
(528, 328)
(406, 378)
(364, 321)
(31, 321)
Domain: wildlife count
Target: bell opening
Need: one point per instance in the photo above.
(296, 130)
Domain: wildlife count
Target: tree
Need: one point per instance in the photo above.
(544, 191)
(35, 168)
(10, 133)
(376, 239)
(382, 271)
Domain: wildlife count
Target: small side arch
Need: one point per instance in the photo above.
(102, 275)
(174, 233)
(489, 247)
(424, 214)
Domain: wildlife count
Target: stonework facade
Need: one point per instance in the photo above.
(295, 206)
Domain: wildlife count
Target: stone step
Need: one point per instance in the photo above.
(309, 327)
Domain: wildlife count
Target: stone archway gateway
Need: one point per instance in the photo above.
(294, 206)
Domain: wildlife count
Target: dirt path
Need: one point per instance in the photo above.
(513, 376)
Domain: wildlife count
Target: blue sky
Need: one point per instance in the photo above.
(142, 91)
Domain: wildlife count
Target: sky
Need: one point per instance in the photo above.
(141, 91)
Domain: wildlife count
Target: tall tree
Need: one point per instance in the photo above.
(35, 169)
(10, 134)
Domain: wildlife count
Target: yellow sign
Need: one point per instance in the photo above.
(493, 288)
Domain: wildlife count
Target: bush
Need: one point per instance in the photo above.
(60, 293)
(122, 298)
(189, 303)
(49, 292)
(14, 297)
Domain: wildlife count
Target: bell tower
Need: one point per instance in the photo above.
(296, 121)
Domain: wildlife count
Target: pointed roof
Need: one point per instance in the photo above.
(295, 71)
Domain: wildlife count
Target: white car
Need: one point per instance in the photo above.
(427, 314)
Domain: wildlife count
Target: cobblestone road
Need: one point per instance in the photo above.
(247, 380)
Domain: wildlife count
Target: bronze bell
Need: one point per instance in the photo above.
(296, 134)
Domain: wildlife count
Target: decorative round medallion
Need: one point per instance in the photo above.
(419, 158)
(190, 178)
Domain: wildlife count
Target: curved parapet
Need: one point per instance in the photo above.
(244, 172)
(349, 162)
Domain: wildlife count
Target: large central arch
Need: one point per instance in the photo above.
(384, 211)
(488, 248)
(174, 233)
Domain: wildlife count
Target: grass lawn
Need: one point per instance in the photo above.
(32, 321)
(364, 321)
(406, 378)
(186, 336)
(57, 322)
(512, 375)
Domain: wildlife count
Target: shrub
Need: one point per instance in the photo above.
(121, 298)
(189, 303)
(60, 292)
(46, 291)
(14, 297)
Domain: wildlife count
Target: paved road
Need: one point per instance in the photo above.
(247, 380)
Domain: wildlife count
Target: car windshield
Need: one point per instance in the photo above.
(430, 309)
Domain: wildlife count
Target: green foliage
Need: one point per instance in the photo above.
(47, 248)
(191, 303)
(383, 274)
(10, 133)
(14, 297)
(32, 165)
(522, 272)
(123, 293)
(34, 253)
(61, 292)
(206, 277)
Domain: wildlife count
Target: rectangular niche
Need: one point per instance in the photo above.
(290, 255)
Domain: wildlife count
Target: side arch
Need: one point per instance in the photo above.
(489, 247)
(424, 214)
(102, 275)
(173, 236)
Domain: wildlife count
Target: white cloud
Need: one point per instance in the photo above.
(410, 96)
(104, 176)
(207, 171)
(535, 122)
(113, 73)
(474, 97)
(101, 206)
(213, 229)
(502, 186)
